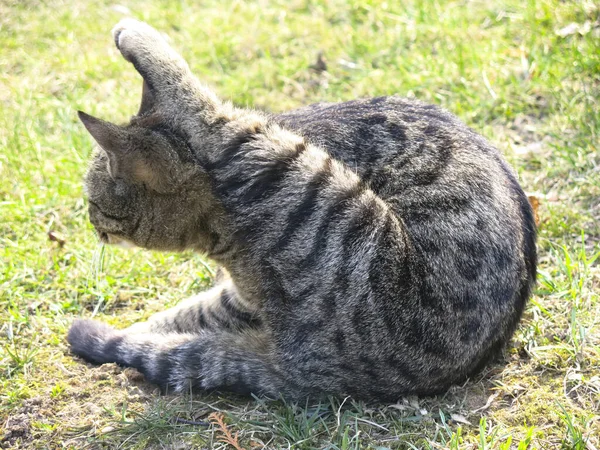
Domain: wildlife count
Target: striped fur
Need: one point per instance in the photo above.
(374, 248)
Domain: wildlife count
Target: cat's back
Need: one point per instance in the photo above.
(372, 132)
(422, 160)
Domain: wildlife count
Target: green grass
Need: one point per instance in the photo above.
(511, 70)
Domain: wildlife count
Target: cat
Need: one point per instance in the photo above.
(373, 248)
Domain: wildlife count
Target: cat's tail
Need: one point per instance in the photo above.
(238, 362)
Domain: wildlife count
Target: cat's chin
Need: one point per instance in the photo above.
(123, 244)
(110, 239)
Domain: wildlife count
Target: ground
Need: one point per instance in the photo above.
(525, 74)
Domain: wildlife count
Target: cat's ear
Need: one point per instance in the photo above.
(110, 137)
(153, 164)
(148, 99)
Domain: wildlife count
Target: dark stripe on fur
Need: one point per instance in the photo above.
(240, 318)
(337, 207)
(308, 205)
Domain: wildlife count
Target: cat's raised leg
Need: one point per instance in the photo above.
(168, 78)
(220, 307)
(239, 362)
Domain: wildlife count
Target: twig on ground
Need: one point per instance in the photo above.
(227, 438)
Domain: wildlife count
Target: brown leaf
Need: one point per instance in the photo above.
(320, 65)
(55, 237)
(534, 201)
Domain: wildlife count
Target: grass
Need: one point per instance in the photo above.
(518, 72)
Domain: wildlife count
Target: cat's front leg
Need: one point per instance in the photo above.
(221, 307)
(240, 362)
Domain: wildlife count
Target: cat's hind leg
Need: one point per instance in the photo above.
(239, 362)
(168, 77)
(220, 307)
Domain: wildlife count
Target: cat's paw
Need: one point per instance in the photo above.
(88, 339)
(132, 36)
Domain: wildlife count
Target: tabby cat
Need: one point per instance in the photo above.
(372, 248)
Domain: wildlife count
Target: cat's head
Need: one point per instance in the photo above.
(143, 185)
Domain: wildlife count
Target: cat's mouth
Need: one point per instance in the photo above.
(111, 239)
